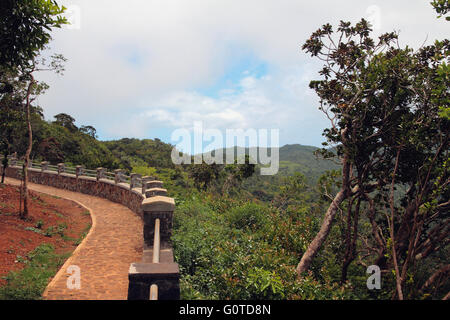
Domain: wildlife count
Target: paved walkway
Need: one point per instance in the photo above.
(104, 256)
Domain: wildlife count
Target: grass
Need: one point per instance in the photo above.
(4, 205)
(50, 231)
(39, 231)
(58, 214)
(83, 234)
(29, 283)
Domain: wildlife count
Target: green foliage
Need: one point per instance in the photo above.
(144, 171)
(37, 229)
(250, 216)
(54, 142)
(442, 7)
(75, 147)
(24, 29)
(49, 232)
(83, 234)
(234, 249)
(388, 108)
(204, 174)
(264, 284)
(66, 121)
(29, 283)
(294, 159)
(133, 153)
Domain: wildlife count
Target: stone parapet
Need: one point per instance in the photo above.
(155, 192)
(103, 188)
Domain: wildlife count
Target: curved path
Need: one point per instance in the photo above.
(104, 257)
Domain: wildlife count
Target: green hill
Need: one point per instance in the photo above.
(133, 153)
(293, 158)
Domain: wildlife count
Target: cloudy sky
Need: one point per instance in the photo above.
(143, 68)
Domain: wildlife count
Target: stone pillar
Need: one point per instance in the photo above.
(118, 176)
(61, 168)
(155, 192)
(44, 166)
(133, 180)
(78, 171)
(157, 207)
(165, 275)
(153, 184)
(13, 159)
(145, 179)
(100, 173)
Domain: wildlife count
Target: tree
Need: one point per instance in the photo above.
(442, 7)
(24, 33)
(292, 191)
(384, 110)
(34, 88)
(50, 150)
(89, 130)
(66, 121)
(339, 93)
(24, 29)
(232, 175)
(203, 174)
(10, 116)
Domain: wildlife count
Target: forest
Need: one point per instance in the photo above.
(376, 194)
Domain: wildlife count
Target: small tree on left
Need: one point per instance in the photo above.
(25, 27)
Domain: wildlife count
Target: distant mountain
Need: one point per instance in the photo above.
(299, 158)
(293, 158)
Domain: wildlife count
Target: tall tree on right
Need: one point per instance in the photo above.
(442, 7)
(384, 104)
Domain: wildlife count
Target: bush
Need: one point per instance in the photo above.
(250, 216)
(227, 249)
(264, 284)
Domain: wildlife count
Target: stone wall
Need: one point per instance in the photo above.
(149, 202)
(102, 188)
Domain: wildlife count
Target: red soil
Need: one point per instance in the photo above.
(44, 210)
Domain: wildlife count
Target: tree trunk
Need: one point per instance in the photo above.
(352, 237)
(24, 214)
(322, 235)
(4, 165)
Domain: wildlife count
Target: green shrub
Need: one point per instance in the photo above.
(249, 216)
(34, 230)
(264, 284)
(50, 231)
(227, 249)
(39, 224)
(30, 282)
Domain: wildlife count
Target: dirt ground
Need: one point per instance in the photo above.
(51, 220)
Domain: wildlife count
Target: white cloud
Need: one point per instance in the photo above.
(257, 104)
(138, 64)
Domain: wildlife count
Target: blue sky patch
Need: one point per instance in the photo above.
(241, 67)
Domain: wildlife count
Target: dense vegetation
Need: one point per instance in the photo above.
(311, 231)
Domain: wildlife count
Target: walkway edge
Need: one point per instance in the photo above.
(61, 272)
